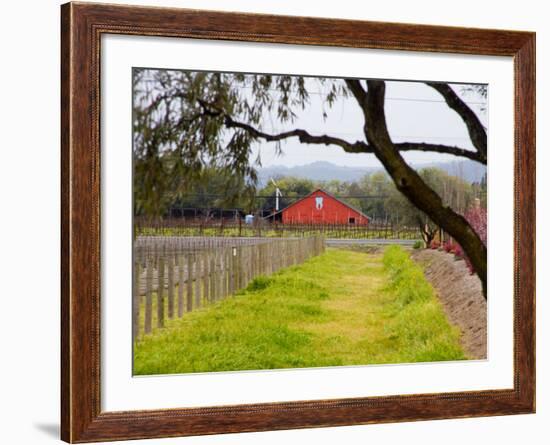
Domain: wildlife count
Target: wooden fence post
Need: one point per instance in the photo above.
(261, 258)
(240, 268)
(170, 285)
(232, 250)
(205, 276)
(246, 264)
(136, 300)
(197, 275)
(160, 291)
(213, 290)
(226, 258)
(221, 273)
(181, 281)
(189, 282)
(148, 294)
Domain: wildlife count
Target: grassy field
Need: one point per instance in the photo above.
(341, 308)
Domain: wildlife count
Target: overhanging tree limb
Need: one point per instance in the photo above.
(439, 148)
(349, 147)
(477, 132)
(302, 135)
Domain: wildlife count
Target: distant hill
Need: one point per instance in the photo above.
(470, 171)
(316, 171)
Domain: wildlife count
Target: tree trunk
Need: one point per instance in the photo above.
(427, 234)
(409, 182)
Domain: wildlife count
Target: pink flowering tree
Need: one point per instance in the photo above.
(477, 217)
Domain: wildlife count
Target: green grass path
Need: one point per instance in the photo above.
(342, 308)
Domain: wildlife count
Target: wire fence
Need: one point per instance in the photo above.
(260, 229)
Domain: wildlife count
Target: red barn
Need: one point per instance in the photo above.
(319, 207)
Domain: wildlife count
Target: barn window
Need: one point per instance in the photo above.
(351, 220)
(318, 202)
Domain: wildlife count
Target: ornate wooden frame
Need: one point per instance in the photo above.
(81, 28)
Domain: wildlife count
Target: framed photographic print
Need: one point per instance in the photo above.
(275, 222)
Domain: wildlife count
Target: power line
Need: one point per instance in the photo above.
(318, 93)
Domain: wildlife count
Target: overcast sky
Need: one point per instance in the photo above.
(415, 112)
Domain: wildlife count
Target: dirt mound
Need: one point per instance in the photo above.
(461, 296)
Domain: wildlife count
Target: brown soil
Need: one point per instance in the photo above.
(461, 296)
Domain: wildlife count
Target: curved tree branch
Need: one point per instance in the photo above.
(355, 147)
(439, 148)
(302, 135)
(477, 132)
